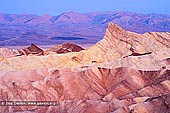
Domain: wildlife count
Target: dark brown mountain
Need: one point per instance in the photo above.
(65, 48)
(32, 49)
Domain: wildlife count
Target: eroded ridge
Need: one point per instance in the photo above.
(125, 72)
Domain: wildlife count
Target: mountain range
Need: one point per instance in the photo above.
(80, 28)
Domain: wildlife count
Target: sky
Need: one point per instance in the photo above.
(55, 7)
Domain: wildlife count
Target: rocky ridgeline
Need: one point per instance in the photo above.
(125, 72)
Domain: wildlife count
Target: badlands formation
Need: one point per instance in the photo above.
(125, 72)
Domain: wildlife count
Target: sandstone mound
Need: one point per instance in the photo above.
(65, 48)
(32, 49)
(125, 72)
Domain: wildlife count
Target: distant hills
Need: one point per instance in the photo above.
(24, 29)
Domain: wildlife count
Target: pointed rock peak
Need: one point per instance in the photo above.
(32, 49)
(114, 31)
(70, 45)
(114, 27)
(33, 46)
(67, 43)
(65, 47)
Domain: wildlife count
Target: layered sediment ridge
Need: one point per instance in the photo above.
(125, 72)
(118, 48)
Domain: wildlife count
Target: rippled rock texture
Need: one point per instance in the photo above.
(99, 90)
(125, 72)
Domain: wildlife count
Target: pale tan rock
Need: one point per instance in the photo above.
(125, 72)
(75, 91)
(7, 53)
(1, 58)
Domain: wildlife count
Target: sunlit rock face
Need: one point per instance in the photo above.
(125, 72)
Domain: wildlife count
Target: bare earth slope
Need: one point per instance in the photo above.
(125, 72)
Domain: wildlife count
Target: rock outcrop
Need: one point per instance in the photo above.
(32, 49)
(125, 72)
(64, 48)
